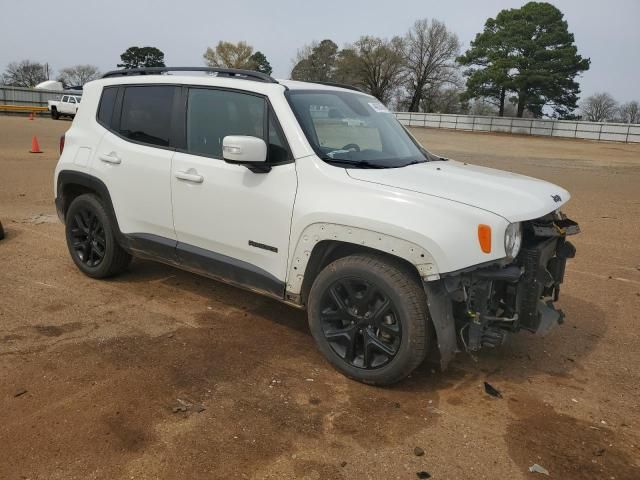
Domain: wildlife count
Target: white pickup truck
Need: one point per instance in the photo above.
(66, 106)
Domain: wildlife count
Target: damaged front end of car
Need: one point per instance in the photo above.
(478, 307)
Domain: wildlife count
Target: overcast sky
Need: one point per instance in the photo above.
(65, 33)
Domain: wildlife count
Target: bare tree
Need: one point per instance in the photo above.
(430, 52)
(375, 64)
(230, 55)
(303, 53)
(630, 112)
(78, 75)
(24, 74)
(599, 107)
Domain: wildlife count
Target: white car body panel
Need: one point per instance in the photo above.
(446, 230)
(139, 185)
(435, 206)
(473, 185)
(84, 132)
(232, 206)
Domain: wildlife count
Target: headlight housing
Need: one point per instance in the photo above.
(513, 239)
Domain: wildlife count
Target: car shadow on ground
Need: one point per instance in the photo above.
(523, 357)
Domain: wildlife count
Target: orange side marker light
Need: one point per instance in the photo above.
(484, 237)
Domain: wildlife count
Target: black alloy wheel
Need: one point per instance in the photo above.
(87, 237)
(368, 315)
(360, 323)
(91, 239)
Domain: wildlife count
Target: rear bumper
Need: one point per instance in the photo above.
(486, 304)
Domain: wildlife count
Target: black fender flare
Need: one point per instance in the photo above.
(67, 178)
(441, 311)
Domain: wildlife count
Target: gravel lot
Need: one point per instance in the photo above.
(163, 374)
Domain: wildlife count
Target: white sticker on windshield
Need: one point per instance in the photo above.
(378, 107)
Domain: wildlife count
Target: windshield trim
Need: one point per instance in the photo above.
(314, 143)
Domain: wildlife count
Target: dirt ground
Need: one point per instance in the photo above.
(163, 374)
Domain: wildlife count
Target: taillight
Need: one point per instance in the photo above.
(61, 144)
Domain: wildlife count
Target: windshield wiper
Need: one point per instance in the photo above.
(352, 163)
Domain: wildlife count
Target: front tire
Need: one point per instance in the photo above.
(91, 238)
(368, 315)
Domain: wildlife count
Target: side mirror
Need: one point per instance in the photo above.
(244, 149)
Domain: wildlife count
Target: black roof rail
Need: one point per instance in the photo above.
(338, 85)
(221, 72)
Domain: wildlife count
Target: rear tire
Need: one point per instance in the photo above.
(368, 315)
(91, 238)
(55, 114)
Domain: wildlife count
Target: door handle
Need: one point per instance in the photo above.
(190, 175)
(110, 158)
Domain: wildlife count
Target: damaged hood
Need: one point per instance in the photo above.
(512, 196)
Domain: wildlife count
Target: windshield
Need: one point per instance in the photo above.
(354, 129)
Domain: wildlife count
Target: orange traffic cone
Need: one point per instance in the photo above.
(31, 116)
(35, 147)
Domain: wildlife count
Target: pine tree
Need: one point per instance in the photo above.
(528, 52)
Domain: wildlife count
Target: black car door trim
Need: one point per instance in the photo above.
(205, 262)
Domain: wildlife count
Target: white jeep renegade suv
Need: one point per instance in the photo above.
(315, 195)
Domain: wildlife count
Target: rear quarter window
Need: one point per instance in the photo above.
(107, 105)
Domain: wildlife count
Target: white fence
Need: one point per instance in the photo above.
(616, 132)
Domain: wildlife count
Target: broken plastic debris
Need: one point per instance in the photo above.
(535, 468)
(494, 392)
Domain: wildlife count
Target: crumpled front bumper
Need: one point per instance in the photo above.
(543, 268)
(479, 308)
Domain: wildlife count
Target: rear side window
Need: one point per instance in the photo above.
(214, 114)
(146, 114)
(107, 104)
